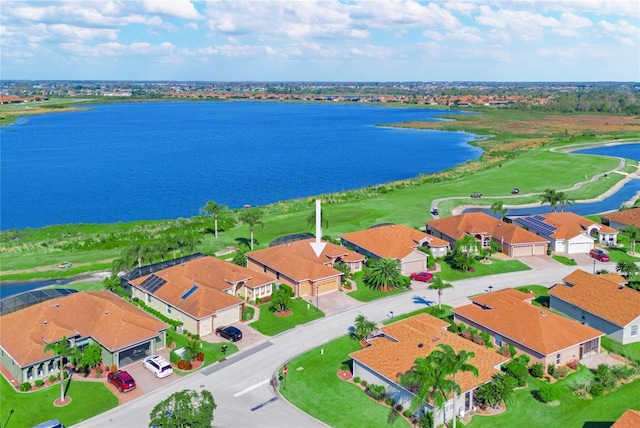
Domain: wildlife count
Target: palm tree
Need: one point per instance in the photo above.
(498, 208)
(627, 268)
(563, 200)
(214, 209)
(633, 233)
(251, 217)
(62, 350)
(423, 381)
(551, 197)
(453, 364)
(383, 274)
(311, 220)
(440, 285)
(363, 327)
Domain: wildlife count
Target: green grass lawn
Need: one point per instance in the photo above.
(564, 260)
(541, 292)
(572, 412)
(313, 386)
(630, 350)
(19, 409)
(301, 312)
(444, 314)
(368, 294)
(212, 351)
(496, 267)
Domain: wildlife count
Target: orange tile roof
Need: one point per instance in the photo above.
(507, 313)
(629, 419)
(569, 225)
(392, 358)
(626, 217)
(394, 241)
(458, 226)
(110, 320)
(213, 277)
(600, 296)
(298, 261)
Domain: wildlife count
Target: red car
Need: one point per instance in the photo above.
(421, 276)
(122, 380)
(599, 255)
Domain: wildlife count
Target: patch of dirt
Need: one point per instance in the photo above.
(344, 374)
(490, 411)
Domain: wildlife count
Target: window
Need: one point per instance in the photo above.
(634, 330)
(277, 275)
(357, 265)
(498, 340)
(168, 309)
(264, 269)
(148, 298)
(558, 359)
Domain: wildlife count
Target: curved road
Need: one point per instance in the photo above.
(241, 385)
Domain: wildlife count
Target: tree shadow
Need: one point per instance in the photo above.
(246, 242)
(419, 300)
(597, 424)
(392, 417)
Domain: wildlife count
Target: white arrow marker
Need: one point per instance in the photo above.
(318, 246)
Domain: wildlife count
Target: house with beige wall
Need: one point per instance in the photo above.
(396, 242)
(204, 293)
(510, 318)
(297, 265)
(514, 241)
(126, 334)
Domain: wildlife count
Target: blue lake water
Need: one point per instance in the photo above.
(138, 161)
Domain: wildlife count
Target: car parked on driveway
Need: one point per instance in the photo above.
(157, 365)
(421, 276)
(230, 333)
(599, 255)
(122, 380)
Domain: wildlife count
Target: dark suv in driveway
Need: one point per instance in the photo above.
(230, 333)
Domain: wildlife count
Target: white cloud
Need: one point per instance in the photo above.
(115, 49)
(175, 8)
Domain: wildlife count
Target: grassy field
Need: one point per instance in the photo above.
(271, 324)
(19, 409)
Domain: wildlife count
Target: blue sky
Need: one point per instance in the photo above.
(305, 40)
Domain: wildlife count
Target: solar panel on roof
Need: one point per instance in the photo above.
(190, 292)
(153, 283)
(536, 224)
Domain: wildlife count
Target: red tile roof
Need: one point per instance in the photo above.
(569, 225)
(110, 320)
(508, 313)
(626, 217)
(600, 296)
(213, 277)
(298, 261)
(392, 358)
(458, 226)
(629, 419)
(394, 241)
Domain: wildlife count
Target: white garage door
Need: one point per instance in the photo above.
(206, 326)
(227, 316)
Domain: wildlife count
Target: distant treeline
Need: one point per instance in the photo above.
(595, 101)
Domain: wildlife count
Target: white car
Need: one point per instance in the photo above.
(159, 366)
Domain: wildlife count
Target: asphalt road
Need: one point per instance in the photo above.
(241, 385)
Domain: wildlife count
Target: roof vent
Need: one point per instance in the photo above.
(106, 312)
(45, 321)
(435, 339)
(420, 345)
(543, 313)
(57, 305)
(621, 287)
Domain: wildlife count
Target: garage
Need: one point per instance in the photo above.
(327, 286)
(414, 262)
(136, 353)
(227, 316)
(206, 326)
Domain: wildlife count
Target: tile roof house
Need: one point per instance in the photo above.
(395, 242)
(393, 352)
(296, 265)
(510, 319)
(568, 232)
(601, 301)
(620, 219)
(124, 332)
(515, 241)
(204, 293)
(629, 419)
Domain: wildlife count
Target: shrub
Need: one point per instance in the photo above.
(537, 370)
(512, 350)
(504, 351)
(407, 413)
(399, 408)
(518, 371)
(487, 339)
(390, 402)
(26, 386)
(182, 364)
(200, 356)
(196, 337)
(356, 379)
(548, 392)
(604, 376)
(99, 371)
(376, 392)
(596, 390)
(39, 382)
(114, 368)
(551, 369)
(523, 359)
(573, 364)
(561, 372)
(52, 378)
(363, 382)
(622, 372)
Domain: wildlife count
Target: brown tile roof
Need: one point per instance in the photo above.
(298, 261)
(507, 313)
(392, 358)
(214, 279)
(569, 225)
(394, 241)
(629, 419)
(458, 226)
(600, 296)
(110, 320)
(626, 217)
